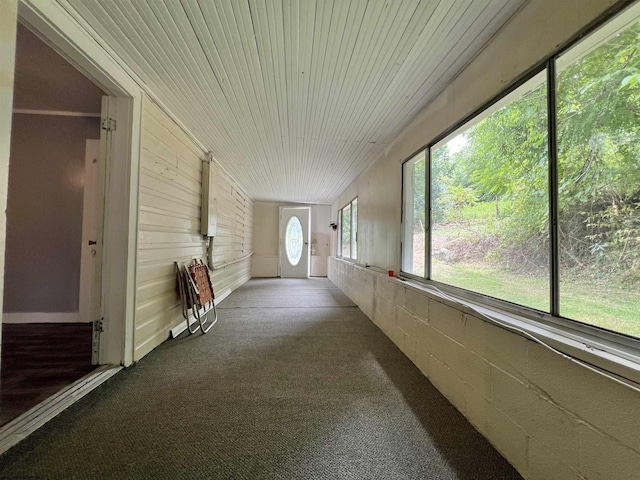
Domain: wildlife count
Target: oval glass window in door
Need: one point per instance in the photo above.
(293, 240)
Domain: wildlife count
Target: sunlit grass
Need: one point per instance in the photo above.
(530, 292)
(607, 307)
(471, 267)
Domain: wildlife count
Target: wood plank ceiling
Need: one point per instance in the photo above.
(295, 97)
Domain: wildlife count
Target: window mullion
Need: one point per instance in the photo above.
(428, 222)
(339, 242)
(352, 239)
(554, 253)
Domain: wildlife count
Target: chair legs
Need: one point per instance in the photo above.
(190, 296)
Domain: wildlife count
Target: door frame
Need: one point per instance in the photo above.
(78, 44)
(281, 239)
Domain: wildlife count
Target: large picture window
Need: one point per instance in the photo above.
(489, 201)
(348, 230)
(598, 111)
(539, 207)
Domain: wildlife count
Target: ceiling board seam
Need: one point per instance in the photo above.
(440, 82)
(357, 132)
(357, 71)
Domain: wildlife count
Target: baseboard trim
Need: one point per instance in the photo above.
(41, 317)
(27, 423)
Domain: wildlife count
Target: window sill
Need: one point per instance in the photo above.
(607, 351)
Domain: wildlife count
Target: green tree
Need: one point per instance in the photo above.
(504, 161)
(599, 159)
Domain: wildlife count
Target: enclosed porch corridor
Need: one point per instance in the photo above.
(294, 382)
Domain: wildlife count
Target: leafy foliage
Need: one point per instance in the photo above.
(504, 163)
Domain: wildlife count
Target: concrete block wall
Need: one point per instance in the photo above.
(549, 417)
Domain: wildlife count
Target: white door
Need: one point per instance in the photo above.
(97, 155)
(89, 246)
(294, 242)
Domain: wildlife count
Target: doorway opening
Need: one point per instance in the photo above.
(54, 229)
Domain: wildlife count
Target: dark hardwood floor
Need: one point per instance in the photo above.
(38, 360)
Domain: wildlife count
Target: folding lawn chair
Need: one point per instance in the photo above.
(196, 296)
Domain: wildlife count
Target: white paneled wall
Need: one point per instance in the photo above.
(169, 226)
(549, 417)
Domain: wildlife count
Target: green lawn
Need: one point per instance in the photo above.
(611, 308)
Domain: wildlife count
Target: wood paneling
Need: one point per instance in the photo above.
(169, 226)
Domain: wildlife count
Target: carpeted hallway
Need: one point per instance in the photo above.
(293, 383)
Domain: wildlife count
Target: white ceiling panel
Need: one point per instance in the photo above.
(295, 98)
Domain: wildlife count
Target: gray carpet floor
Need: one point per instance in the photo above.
(294, 382)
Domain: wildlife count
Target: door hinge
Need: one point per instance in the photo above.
(98, 325)
(108, 124)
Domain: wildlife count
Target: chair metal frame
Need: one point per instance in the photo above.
(190, 303)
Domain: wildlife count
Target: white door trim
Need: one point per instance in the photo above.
(53, 22)
(8, 26)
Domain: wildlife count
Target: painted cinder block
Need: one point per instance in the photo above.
(508, 438)
(417, 304)
(364, 278)
(446, 319)
(410, 347)
(544, 464)
(422, 349)
(553, 427)
(603, 458)
(505, 349)
(449, 384)
(475, 337)
(366, 302)
(383, 288)
(422, 360)
(381, 320)
(397, 335)
(476, 407)
(423, 332)
(541, 399)
(607, 405)
(399, 292)
(384, 306)
(476, 372)
(507, 392)
(406, 321)
(446, 351)
(429, 337)
(369, 279)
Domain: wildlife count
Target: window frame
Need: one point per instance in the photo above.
(353, 239)
(615, 351)
(339, 229)
(403, 214)
(495, 104)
